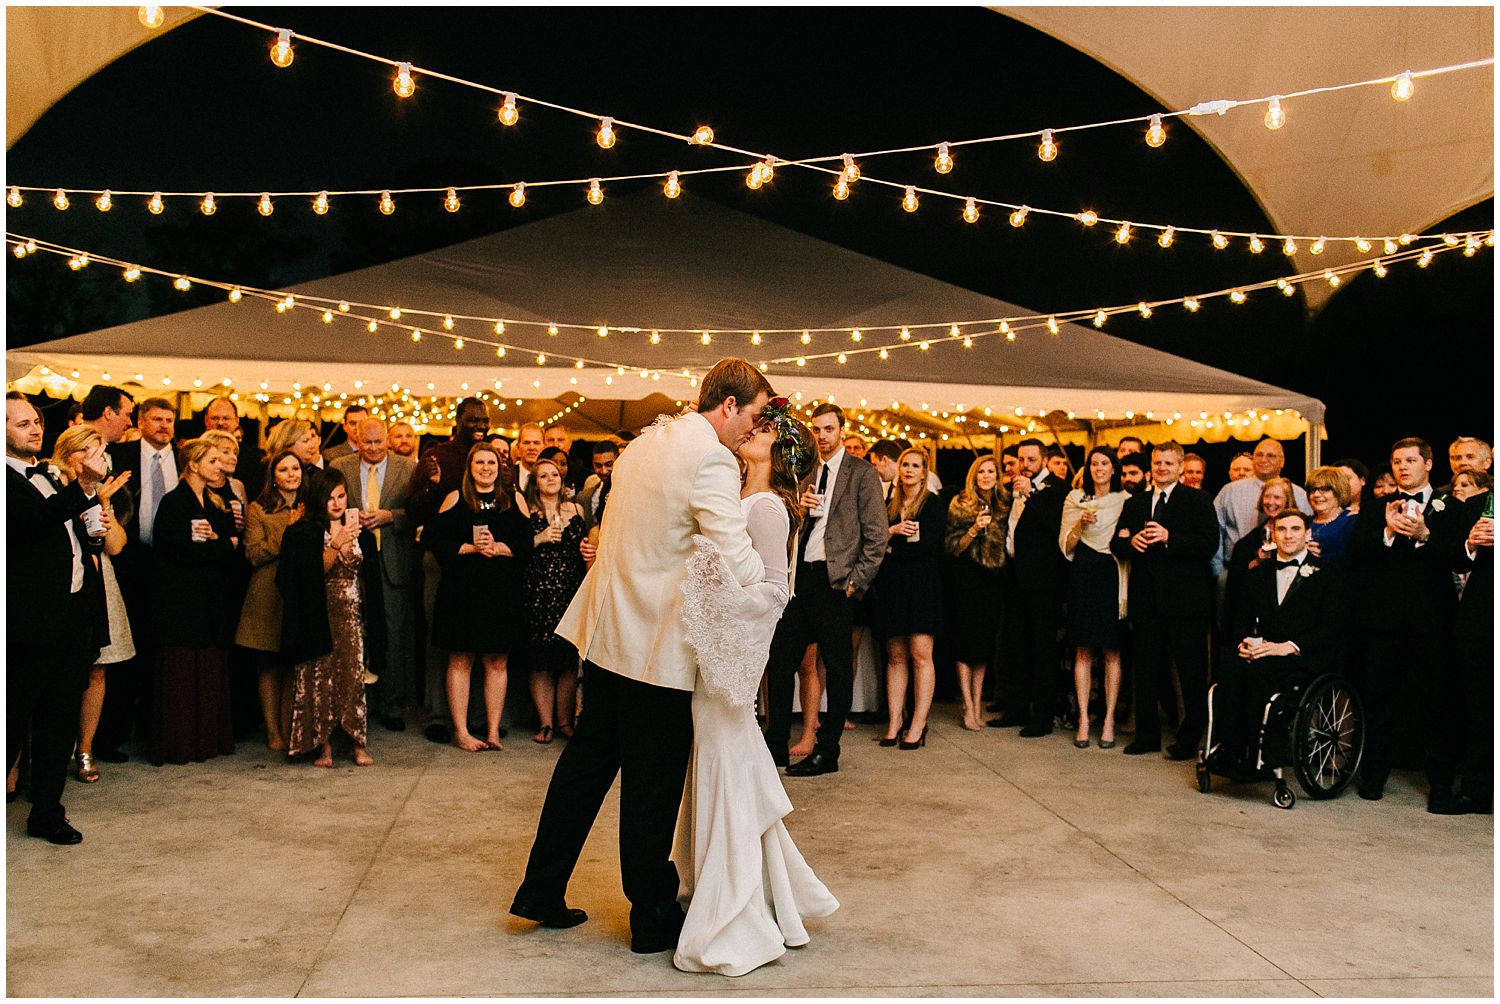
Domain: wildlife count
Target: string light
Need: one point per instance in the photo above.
(236, 295)
(1425, 259)
(1333, 280)
(1362, 244)
(1099, 318)
(551, 330)
(603, 332)
(596, 192)
(673, 187)
(1237, 296)
(517, 196)
(1156, 133)
(508, 114)
(387, 204)
(806, 337)
(1052, 324)
(909, 200)
(1402, 88)
(1288, 247)
(182, 283)
(1275, 117)
(499, 327)
(1256, 244)
(1047, 151)
(13, 197)
(60, 199)
(1144, 308)
(1165, 240)
(403, 85)
(1379, 270)
(971, 211)
(851, 169)
(703, 136)
(1220, 241)
(103, 202)
(1122, 235)
(320, 204)
(264, 206)
(943, 163)
(151, 16)
(1018, 216)
(1192, 304)
(281, 52)
(841, 188)
(131, 274)
(605, 137)
(208, 206)
(1088, 217)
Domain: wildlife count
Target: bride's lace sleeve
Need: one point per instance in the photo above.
(730, 626)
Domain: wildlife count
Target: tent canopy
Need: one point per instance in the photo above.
(686, 264)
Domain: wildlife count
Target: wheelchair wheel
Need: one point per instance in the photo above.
(1283, 797)
(1328, 739)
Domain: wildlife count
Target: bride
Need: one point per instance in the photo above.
(744, 883)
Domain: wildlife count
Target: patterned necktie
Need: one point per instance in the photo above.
(372, 499)
(148, 509)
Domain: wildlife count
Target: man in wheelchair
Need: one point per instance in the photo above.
(1289, 618)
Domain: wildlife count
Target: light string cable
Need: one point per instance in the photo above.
(918, 336)
(762, 169)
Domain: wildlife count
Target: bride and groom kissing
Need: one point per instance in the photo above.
(674, 622)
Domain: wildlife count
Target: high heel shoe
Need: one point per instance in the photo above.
(1083, 743)
(889, 741)
(87, 772)
(921, 741)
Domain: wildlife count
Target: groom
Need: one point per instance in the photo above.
(678, 479)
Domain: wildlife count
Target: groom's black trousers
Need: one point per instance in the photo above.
(817, 613)
(644, 734)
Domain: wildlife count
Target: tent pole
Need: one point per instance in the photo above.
(1313, 453)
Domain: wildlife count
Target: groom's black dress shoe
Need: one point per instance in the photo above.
(653, 931)
(558, 915)
(58, 833)
(818, 763)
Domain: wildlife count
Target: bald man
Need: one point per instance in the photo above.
(1238, 503)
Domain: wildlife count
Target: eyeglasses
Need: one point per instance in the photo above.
(1319, 488)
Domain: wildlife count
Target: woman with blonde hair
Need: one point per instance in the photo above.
(976, 538)
(117, 645)
(910, 586)
(1329, 493)
(193, 543)
(302, 438)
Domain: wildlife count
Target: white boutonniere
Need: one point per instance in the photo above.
(1437, 505)
(1306, 571)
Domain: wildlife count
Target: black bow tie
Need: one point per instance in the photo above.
(1287, 564)
(1406, 496)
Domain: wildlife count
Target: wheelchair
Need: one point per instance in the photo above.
(1316, 728)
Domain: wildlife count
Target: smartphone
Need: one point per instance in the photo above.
(351, 521)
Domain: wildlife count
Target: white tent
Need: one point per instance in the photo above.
(639, 263)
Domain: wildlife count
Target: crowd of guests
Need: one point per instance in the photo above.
(365, 582)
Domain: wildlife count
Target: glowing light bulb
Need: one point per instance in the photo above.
(858, 336)
(1144, 308)
(448, 323)
(151, 16)
(183, 283)
(1288, 247)
(1390, 246)
(403, 85)
(327, 317)
(1220, 241)
(517, 197)
(60, 199)
(13, 198)
(806, 338)
(1165, 240)
(603, 332)
(1192, 304)
(1282, 284)
(656, 338)
(843, 358)
(703, 135)
(416, 335)
(1289, 290)
(1088, 217)
(924, 346)
(499, 327)
(841, 188)
(1425, 259)
(281, 52)
(344, 309)
(1099, 318)
(1256, 244)
(1237, 296)
(103, 202)
(605, 137)
(706, 338)
(500, 354)
(971, 210)
(131, 274)
(387, 204)
(541, 359)
(851, 169)
(1450, 240)
(19, 250)
(395, 313)
(1317, 246)
(208, 206)
(1156, 133)
(909, 200)
(943, 163)
(508, 114)
(236, 295)
(1333, 280)
(1406, 238)
(371, 327)
(155, 205)
(596, 192)
(1362, 244)
(1403, 87)
(755, 338)
(1052, 325)
(450, 201)
(672, 187)
(753, 180)
(320, 204)
(1275, 117)
(552, 330)
(1047, 151)
(264, 205)
(884, 354)
(1122, 235)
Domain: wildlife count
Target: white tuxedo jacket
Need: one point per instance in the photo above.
(674, 481)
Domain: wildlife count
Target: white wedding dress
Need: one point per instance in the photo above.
(744, 883)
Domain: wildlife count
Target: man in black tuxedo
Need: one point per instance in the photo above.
(1168, 535)
(1039, 573)
(1286, 627)
(1475, 637)
(50, 639)
(843, 542)
(1401, 564)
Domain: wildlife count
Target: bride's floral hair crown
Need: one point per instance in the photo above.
(778, 412)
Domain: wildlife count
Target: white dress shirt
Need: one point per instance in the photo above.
(145, 521)
(1424, 497)
(1284, 576)
(815, 551)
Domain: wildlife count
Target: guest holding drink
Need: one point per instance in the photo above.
(481, 539)
(193, 537)
(553, 575)
(322, 623)
(278, 507)
(910, 587)
(1096, 587)
(1332, 524)
(978, 543)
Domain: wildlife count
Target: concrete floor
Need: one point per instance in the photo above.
(982, 865)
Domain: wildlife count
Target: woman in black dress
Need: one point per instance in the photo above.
(481, 539)
(194, 546)
(553, 575)
(976, 539)
(1096, 594)
(910, 585)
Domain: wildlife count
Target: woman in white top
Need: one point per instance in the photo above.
(745, 885)
(1096, 587)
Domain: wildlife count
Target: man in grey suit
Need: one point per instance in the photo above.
(379, 482)
(353, 416)
(841, 546)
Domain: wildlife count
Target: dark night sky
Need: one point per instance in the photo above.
(202, 107)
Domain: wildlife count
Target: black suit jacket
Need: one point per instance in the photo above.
(1039, 563)
(1170, 579)
(1311, 616)
(1476, 610)
(38, 553)
(1404, 587)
